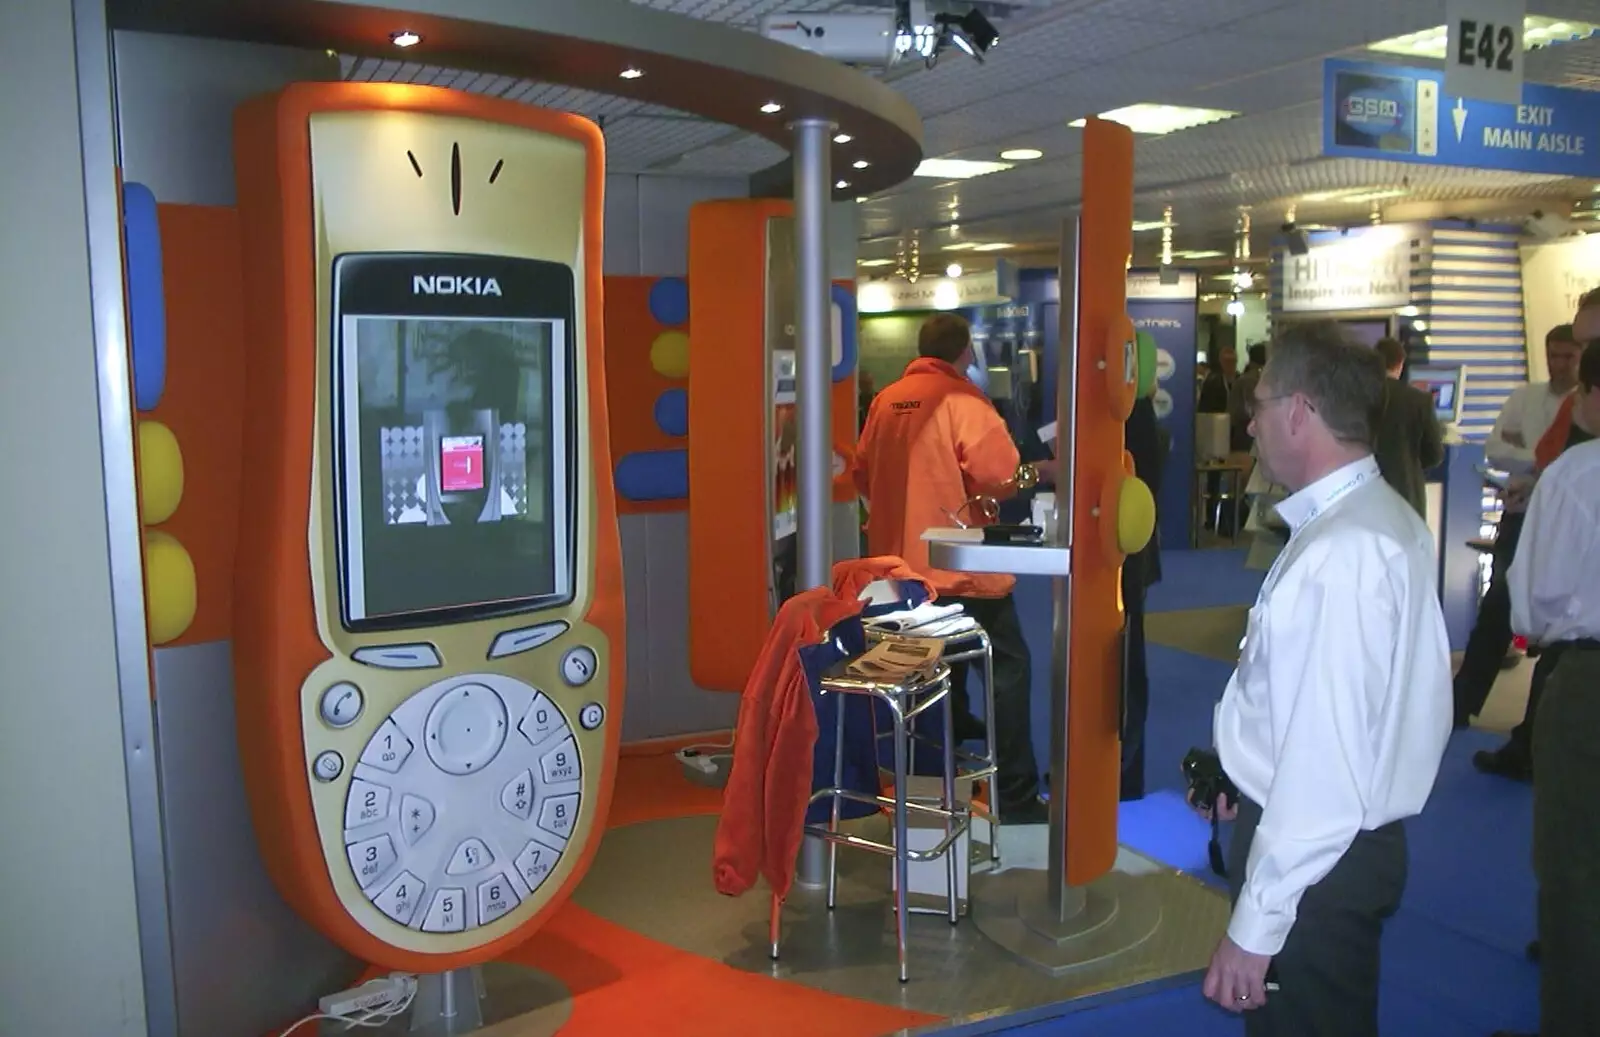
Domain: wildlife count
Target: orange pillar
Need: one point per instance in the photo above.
(1106, 375)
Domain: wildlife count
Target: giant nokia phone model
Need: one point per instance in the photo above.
(428, 636)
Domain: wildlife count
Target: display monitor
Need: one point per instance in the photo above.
(1447, 386)
(453, 437)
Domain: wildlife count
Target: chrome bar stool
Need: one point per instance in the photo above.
(964, 641)
(908, 697)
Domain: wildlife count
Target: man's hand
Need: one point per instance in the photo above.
(1237, 979)
(1519, 491)
(1225, 808)
(1514, 438)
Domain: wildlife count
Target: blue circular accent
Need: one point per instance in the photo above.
(147, 308)
(672, 412)
(845, 301)
(654, 475)
(669, 301)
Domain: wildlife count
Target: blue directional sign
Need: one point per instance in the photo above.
(1404, 115)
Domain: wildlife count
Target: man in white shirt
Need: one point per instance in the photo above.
(1335, 721)
(1527, 413)
(1555, 601)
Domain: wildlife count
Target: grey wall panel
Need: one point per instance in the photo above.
(846, 531)
(664, 203)
(622, 225)
(843, 229)
(175, 101)
(637, 713)
(244, 961)
(677, 706)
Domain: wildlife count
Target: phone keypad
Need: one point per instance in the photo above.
(457, 836)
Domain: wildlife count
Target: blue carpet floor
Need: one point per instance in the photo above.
(1453, 957)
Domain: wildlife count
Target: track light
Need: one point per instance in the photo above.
(972, 32)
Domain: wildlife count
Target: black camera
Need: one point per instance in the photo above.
(1203, 772)
(1207, 781)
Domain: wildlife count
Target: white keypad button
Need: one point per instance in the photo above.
(447, 913)
(495, 898)
(465, 729)
(578, 666)
(517, 796)
(558, 814)
(542, 721)
(400, 898)
(416, 817)
(371, 859)
(328, 765)
(515, 642)
(591, 716)
(560, 765)
(388, 749)
(340, 704)
(534, 864)
(366, 804)
(469, 857)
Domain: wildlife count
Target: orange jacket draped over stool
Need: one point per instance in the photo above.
(769, 786)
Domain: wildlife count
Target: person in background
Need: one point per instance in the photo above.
(1410, 441)
(933, 441)
(1213, 399)
(1555, 601)
(1514, 759)
(1239, 397)
(1336, 720)
(1145, 440)
(1528, 412)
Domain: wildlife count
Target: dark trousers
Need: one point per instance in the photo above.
(1521, 743)
(1011, 727)
(1327, 972)
(1135, 688)
(1491, 634)
(1566, 846)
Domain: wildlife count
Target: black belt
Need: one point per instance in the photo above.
(1586, 643)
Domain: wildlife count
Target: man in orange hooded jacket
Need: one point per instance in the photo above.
(932, 442)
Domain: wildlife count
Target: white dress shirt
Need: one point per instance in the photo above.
(1337, 717)
(1555, 579)
(1528, 413)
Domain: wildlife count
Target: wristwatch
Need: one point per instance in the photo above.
(1027, 477)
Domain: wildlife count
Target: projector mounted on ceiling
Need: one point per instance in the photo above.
(881, 40)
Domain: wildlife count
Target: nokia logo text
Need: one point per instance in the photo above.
(453, 284)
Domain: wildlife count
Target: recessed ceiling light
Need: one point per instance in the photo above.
(958, 168)
(404, 38)
(861, 163)
(993, 246)
(842, 138)
(1140, 226)
(873, 262)
(1021, 154)
(1203, 253)
(1537, 31)
(953, 270)
(961, 246)
(1356, 195)
(632, 73)
(1158, 119)
(771, 108)
(842, 184)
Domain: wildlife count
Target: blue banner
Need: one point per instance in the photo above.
(1403, 115)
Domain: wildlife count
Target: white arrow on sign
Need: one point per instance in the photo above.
(1460, 117)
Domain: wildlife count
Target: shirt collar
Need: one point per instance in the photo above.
(1310, 502)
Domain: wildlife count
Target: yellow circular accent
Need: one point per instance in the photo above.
(1136, 516)
(669, 354)
(169, 587)
(1122, 366)
(160, 473)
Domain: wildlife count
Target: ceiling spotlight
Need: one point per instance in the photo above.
(404, 38)
(631, 73)
(972, 32)
(842, 184)
(1021, 154)
(861, 163)
(842, 138)
(953, 270)
(771, 108)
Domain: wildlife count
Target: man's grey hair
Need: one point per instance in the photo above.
(1342, 379)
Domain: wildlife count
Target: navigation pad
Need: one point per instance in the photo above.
(457, 836)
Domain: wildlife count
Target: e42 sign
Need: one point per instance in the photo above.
(1483, 59)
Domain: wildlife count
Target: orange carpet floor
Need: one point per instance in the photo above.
(624, 983)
